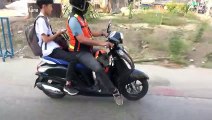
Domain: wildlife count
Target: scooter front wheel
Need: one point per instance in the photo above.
(134, 89)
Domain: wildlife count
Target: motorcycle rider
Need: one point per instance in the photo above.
(46, 41)
(81, 43)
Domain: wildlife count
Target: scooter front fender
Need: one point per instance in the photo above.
(137, 75)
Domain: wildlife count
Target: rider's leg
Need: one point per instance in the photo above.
(95, 50)
(89, 61)
(70, 57)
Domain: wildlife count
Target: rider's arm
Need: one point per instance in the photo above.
(98, 34)
(43, 30)
(47, 39)
(84, 40)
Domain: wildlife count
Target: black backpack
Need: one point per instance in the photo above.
(32, 38)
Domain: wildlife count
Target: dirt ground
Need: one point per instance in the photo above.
(142, 40)
(133, 36)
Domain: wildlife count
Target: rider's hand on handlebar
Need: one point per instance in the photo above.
(105, 34)
(109, 45)
(61, 32)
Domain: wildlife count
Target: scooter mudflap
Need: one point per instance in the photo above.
(39, 85)
(37, 80)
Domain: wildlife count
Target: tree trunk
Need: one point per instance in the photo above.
(2, 4)
(116, 5)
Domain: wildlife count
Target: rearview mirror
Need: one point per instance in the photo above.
(109, 27)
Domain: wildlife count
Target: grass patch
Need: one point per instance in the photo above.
(151, 18)
(201, 29)
(209, 57)
(173, 21)
(157, 44)
(208, 63)
(191, 16)
(155, 18)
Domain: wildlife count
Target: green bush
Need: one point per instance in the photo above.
(200, 31)
(171, 6)
(91, 14)
(185, 9)
(66, 11)
(180, 8)
(176, 47)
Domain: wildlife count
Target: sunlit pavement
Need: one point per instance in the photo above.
(175, 94)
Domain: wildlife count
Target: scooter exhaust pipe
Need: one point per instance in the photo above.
(48, 88)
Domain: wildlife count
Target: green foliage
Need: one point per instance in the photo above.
(179, 8)
(153, 18)
(66, 11)
(91, 14)
(66, 8)
(208, 63)
(177, 46)
(171, 7)
(130, 10)
(200, 31)
(173, 21)
(192, 16)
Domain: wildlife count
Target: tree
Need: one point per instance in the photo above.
(2, 4)
(116, 5)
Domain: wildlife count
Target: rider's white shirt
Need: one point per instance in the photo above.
(41, 28)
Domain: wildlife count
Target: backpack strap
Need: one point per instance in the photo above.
(47, 24)
(45, 19)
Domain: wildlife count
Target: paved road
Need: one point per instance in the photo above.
(20, 101)
(186, 82)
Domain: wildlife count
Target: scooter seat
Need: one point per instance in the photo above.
(78, 66)
(56, 61)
